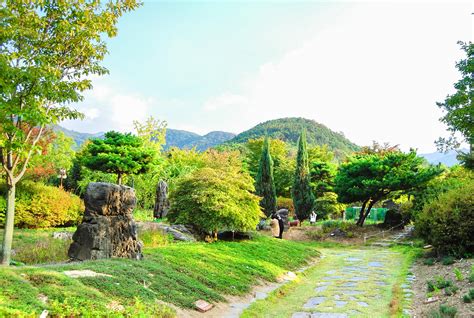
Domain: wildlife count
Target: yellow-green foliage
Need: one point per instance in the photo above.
(447, 222)
(214, 199)
(286, 203)
(40, 206)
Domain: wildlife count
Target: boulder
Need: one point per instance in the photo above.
(283, 213)
(107, 229)
(161, 201)
(177, 231)
(393, 218)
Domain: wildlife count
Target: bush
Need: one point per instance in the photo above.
(438, 283)
(447, 222)
(213, 199)
(286, 203)
(429, 261)
(41, 206)
(448, 260)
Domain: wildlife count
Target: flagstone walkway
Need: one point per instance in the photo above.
(345, 283)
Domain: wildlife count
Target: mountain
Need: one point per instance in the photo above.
(187, 140)
(78, 137)
(174, 138)
(289, 129)
(448, 159)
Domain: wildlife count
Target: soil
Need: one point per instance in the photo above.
(424, 273)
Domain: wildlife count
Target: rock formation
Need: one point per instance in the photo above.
(161, 201)
(107, 229)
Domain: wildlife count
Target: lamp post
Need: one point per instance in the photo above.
(62, 175)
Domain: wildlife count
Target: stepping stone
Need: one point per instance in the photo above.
(362, 303)
(331, 272)
(357, 278)
(340, 303)
(260, 295)
(404, 286)
(333, 277)
(323, 283)
(313, 302)
(301, 315)
(350, 284)
(320, 289)
(351, 268)
(351, 292)
(328, 315)
(375, 264)
(337, 297)
(381, 283)
(353, 259)
(352, 298)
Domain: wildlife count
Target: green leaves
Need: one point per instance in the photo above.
(265, 186)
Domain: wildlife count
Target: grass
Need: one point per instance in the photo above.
(38, 246)
(178, 274)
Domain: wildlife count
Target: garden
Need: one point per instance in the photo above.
(276, 224)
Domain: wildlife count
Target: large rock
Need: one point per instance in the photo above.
(177, 231)
(393, 218)
(283, 213)
(107, 229)
(161, 201)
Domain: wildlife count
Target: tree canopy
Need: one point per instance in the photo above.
(368, 178)
(301, 192)
(459, 108)
(118, 153)
(48, 51)
(264, 184)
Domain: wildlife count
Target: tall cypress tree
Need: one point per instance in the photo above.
(265, 186)
(303, 197)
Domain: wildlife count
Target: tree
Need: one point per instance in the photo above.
(322, 174)
(118, 153)
(152, 132)
(302, 194)
(264, 185)
(48, 50)
(369, 178)
(213, 199)
(459, 108)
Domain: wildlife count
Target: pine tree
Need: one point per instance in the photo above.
(303, 197)
(265, 186)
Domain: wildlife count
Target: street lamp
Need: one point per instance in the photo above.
(62, 175)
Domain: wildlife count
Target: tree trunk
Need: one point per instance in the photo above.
(361, 214)
(9, 222)
(119, 178)
(371, 204)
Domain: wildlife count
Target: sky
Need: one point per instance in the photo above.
(372, 70)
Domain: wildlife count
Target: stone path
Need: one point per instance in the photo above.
(357, 284)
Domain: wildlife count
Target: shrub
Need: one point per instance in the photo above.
(458, 273)
(41, 206)
(438, 283)
(447, 222)
(213, 199)
(154, 238)
(448, 260)
(467, 299)
(429, 261)
(447, 311)
(286, 203)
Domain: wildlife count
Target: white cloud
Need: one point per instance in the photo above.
(375, 74)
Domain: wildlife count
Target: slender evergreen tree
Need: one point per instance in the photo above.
(265, 186)
(303, 197)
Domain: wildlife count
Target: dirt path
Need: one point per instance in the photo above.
(345, 283)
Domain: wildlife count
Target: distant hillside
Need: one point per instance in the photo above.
(289, 129)
(187, 140)
(174, 138)
(78, 137)
(448, 159)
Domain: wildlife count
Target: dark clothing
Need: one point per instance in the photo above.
(280, 224)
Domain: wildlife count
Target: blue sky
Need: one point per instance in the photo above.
(373, 70)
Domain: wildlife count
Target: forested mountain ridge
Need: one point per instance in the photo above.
(289, 129)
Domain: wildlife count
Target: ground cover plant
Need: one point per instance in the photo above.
(178, 274)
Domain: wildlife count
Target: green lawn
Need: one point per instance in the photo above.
(176, 273)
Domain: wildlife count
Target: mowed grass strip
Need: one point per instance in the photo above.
(178, 274)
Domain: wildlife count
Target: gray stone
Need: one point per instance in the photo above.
(351, 292)
(62, 235)
(328, 315)
(379, 283)
(362, 303)
(357, 278)
(301, 315)
(162, 204)
(340, 303)
(179, 232)
(350, 284)
(283, 213)
(313, 302)
(375, 264)
(107, 228)
(353, 259)
(320, 289)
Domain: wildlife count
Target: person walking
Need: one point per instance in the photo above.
(312, 217)
(281, 226)
(275, 226)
